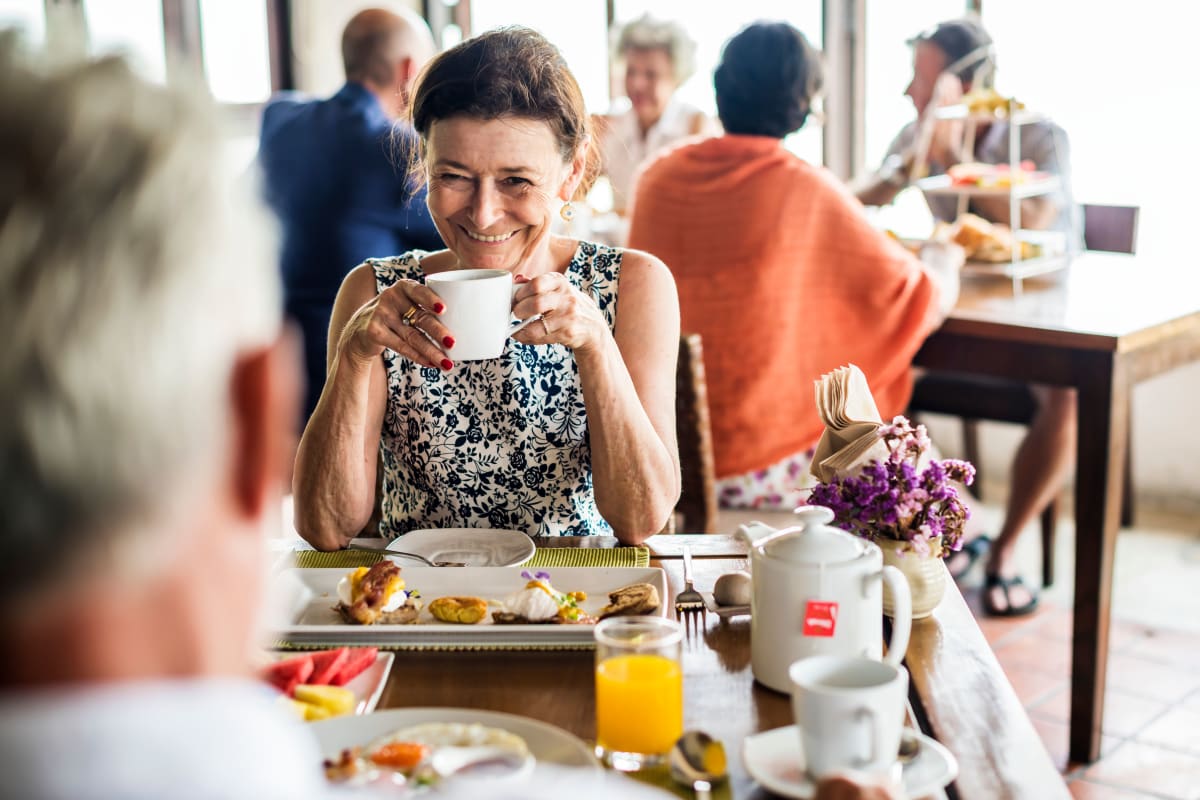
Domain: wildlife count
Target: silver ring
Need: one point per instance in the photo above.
(545, 327)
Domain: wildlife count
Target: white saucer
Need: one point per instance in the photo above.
(724, 611)
(775, 759)
(475, 547)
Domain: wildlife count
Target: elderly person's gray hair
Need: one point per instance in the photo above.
(648, 33)
(132, 275)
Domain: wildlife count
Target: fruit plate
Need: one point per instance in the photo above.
(314, 621)
(366, 685)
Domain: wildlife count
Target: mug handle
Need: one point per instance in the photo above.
(861, 714)
(902, 619)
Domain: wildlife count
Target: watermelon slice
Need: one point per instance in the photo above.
(326, 664)
(358, 660)
(287, 674)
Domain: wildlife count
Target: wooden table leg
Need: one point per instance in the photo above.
(1103, 434)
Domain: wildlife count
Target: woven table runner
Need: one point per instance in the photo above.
(544, 557)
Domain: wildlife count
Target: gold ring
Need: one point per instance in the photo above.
(545, 327)
(407, 319)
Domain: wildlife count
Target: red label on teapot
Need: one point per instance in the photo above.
(820, 618)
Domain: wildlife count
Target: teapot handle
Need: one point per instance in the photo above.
(902, 618)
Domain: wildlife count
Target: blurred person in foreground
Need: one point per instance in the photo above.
(144, 432)
(336, 172)
(949, 60)
(657, 56)
(571, 431)
(779, 271)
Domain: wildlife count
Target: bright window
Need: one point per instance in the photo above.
(889, 25)
(576, 28)
(131, 27)
(236, 56)
(1123, 91)
(29, 16)
(714, 26)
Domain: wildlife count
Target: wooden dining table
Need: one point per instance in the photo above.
(1100, 327)
(958, 692)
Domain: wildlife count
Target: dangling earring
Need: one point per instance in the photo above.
(567, 212)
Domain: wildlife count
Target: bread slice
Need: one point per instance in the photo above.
(637, 598)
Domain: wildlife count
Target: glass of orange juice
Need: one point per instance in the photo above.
(639, 690)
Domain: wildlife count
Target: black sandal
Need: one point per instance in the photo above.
(974, 550)
(1004, 584)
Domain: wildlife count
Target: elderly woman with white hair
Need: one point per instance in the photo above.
(657, 57)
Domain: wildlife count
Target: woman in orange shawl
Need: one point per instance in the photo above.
(778, 270)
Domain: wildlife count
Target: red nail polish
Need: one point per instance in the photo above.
(438, 308)
(447, 363)
(448, 341)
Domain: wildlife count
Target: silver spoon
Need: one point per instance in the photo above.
(383, 551)
(698, 760)
(910, 745)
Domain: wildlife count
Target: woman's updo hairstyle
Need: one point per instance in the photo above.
(507, 72)
(767, 79)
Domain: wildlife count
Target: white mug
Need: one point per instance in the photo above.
(849, 713)
(478, 311)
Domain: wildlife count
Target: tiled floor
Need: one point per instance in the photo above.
(1151, 742)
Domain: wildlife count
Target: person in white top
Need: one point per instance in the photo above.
(657, 57)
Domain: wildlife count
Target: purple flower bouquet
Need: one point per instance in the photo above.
(902, 498)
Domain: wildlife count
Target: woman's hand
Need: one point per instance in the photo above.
(569, 316)
(402, 318)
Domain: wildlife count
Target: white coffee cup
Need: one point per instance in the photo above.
(478, 311)
(849, 711)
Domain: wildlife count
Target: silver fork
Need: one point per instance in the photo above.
(383, 551)
(689, 605)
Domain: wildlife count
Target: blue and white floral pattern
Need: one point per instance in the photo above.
(499, 443)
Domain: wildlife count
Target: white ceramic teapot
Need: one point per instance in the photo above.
(819, 590)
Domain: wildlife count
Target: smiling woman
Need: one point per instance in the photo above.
(571, 430)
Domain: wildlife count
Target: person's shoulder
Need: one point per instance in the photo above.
(646, 269)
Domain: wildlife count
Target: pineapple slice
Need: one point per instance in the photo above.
(334, 700)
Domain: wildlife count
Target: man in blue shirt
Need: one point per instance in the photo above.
(337, 173)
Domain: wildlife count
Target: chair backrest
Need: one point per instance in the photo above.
(1110, 228)
(698, 499)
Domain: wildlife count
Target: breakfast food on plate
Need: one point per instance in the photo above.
(541, 603)
(637, 598)
(322, 702)
(376, 596)
(989, 101)
(982, 240)
(312, 683)
(459, 610)
(415, 753)
(992, 176)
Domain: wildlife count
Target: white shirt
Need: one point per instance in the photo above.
(624, 149)
(216, 738)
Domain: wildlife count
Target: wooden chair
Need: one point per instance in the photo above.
(696, 511)
(1107, 228)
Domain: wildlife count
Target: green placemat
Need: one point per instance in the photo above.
(543, 557)
(338, 559)
(546, 557)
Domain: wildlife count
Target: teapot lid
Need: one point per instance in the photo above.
(814, 541)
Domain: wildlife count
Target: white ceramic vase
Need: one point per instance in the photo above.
(926, 576)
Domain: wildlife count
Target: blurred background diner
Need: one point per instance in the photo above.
(314, 99)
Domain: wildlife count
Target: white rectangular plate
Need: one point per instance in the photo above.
(316, 621)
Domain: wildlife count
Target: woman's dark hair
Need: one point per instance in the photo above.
(766, 80)
(507, 72)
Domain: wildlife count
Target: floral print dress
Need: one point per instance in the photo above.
(499, 443)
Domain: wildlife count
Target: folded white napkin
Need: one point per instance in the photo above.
(852, 422)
